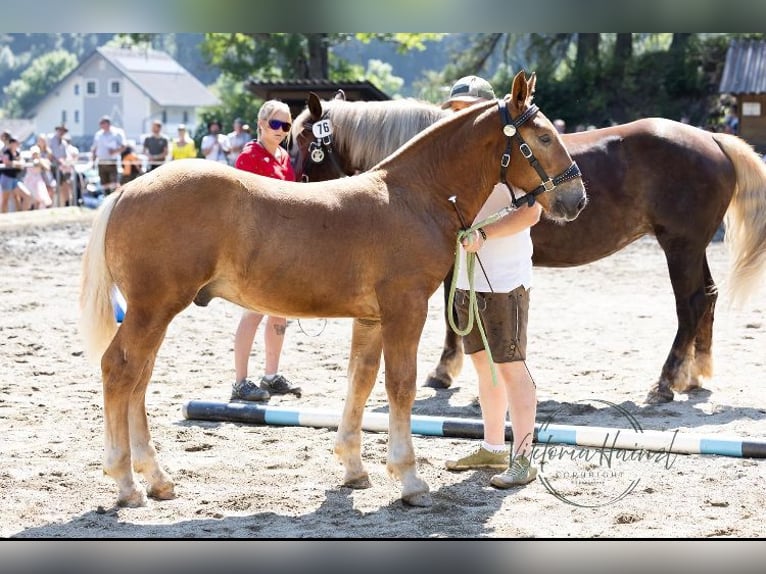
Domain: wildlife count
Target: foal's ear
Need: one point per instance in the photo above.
(315, 106)
(522, 90)
(340, 95)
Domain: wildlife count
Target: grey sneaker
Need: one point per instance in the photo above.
(278, 385)
(518, 473)
(482, 458)
(247, 390)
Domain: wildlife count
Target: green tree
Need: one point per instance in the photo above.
(36, 81)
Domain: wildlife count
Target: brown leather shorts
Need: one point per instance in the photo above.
(504, 317)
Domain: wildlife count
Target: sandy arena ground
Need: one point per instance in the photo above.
(598, 336)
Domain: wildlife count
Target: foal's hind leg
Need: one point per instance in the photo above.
(126, 368)
(364, 363)
(143, 453)
(451, 360)
(685, 265)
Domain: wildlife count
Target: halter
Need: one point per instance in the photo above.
(511, 131)
(321, 147)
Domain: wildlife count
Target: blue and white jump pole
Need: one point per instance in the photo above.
(597, 437)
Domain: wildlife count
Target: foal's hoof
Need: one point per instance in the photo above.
(359, 482)
(421, 499)
(438, 381)
(658, 396)
(135, 499)
(164, 492)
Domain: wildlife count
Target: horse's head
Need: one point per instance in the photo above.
(543, 167)
(311, 143)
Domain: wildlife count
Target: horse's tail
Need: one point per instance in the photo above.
(745, 220)
(97, 322)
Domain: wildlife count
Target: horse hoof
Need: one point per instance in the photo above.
(420, 499)
(438, 381)
(166, 492)
(658, 396)
(359, 482)
(135, 499)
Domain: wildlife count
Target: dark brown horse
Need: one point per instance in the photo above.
(652, 176)
(373, 247)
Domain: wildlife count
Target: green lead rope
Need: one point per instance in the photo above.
(473, 305)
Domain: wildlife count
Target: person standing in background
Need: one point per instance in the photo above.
(57, 144)
(183, 147)
(215, 145)
(108, 144)
(237, 140)
(156, 146)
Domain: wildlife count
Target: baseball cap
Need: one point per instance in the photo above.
(470, 89)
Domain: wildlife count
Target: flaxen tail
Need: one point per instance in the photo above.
(97, 322)
(745, 219)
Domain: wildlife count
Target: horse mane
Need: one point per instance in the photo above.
(368, 131)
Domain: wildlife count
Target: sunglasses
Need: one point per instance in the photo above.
(276, 124)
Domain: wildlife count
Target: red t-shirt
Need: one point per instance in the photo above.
(256, 159)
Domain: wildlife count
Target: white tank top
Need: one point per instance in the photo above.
(506, 260)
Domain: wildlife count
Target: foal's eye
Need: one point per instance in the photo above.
(546, 138)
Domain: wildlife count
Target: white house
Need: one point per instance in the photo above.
(133, 86)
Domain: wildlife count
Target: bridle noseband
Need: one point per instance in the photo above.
(320, 148)
(511, 131)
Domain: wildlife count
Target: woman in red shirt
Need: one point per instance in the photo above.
(264, 156)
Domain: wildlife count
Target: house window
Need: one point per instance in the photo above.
(91, 88)
(114, 87)
(751, 108)
(164, 116)
(77, 89)
(186, 117)
(63, 117)
(77, 116)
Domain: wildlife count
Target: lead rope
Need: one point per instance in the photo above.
(473, 305)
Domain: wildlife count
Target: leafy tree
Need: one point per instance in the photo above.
(37, 80)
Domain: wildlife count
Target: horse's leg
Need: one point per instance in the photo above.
(363, 366)
(685, 265)
(703, 343)
(144, 454)
(403, 322)
(451, 360)
(126, 366)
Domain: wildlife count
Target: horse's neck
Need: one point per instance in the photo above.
(457, 158)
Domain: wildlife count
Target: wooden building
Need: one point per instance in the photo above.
(744, 77)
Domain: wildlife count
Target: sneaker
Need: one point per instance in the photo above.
(519, 473)
(247, 390)
(482, 458)
(278, 385)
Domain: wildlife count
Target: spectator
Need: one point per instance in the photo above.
(10, 178)
(131, 164)
(183, 147)
(57, 144)
(35, 179)
(45, 154)
(237, 140)
(731, 121)
(215, 145)
(560, 125)
(108, 144)
(156, 146)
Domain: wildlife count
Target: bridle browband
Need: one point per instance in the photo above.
(319, 149)
(511, 131)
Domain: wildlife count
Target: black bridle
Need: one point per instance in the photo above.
(319, 150)
(511, 131)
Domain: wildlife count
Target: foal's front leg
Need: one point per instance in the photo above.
(363, 366)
